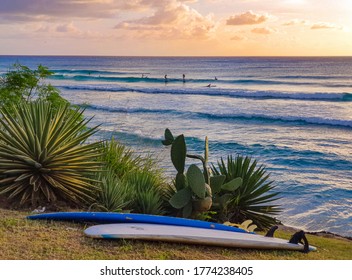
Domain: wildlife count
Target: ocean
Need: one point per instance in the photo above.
(294, 115)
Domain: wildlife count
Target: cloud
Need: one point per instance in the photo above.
(154, 18)
(37, 10)
(247, 18)
(263, 31)
(325, 25)
(295, 22)
(67, 28)
(171, 19)
(238, 38)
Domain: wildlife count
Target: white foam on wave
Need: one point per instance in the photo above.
(260, 117)
(323, 96)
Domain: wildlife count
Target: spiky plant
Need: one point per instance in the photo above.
(146, 192)
(43, 155)
(112, 195)
(252, 200)
(122, 160)
(147, 188)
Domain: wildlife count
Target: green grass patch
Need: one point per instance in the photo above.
(22, 239)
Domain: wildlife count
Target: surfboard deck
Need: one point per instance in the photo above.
(111, 218)
(180, 234)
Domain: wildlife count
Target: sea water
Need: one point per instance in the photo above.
(293, 115)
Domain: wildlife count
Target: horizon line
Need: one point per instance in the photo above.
(184, 56)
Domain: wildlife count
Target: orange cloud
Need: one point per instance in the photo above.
(247, 18)
(238, 38)
(263, 31)
(172, 20)
(295, 22)
(325, 25)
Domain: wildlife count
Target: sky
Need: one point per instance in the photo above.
(176, 27)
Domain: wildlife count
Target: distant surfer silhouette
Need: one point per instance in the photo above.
(184, 78)
(165, 77)
(210, 85)
(216, 79)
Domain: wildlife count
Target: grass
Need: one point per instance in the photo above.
(22, 239)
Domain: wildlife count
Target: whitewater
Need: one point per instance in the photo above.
(294, 115)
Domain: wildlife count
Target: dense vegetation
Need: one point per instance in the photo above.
(22, 84)
(45, 155)
(234, 192)
(130, 182)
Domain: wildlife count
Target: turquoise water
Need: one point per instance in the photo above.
(292, 114)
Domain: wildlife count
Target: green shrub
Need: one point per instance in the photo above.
(251, 201)
(145, 193)
(147, 188)
(112, 193)
(22, 84)
(43, 155)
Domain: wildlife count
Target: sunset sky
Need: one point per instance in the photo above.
(176, 27)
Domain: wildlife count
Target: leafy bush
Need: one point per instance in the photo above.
(146, 188)
(251, 201)
(112, 194)
(22, 84)
(122, 160)
(146, 192)
(43, 156)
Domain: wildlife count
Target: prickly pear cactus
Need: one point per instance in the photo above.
(193, 194)
(196, 191)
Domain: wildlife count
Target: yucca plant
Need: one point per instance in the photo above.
(252, 200)
(43, 154)
(112, 194)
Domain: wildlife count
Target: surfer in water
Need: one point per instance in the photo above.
(165, 78)
(216, 78)
(184, 78)
(210, 85)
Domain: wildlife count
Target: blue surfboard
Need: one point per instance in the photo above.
(111, 218)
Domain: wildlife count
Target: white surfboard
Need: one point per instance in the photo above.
(190, 235)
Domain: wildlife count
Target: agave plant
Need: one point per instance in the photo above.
(251, 201)
(43, 155)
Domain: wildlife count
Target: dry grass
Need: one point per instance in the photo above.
(22, 239)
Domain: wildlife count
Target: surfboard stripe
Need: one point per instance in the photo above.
(108, 218)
